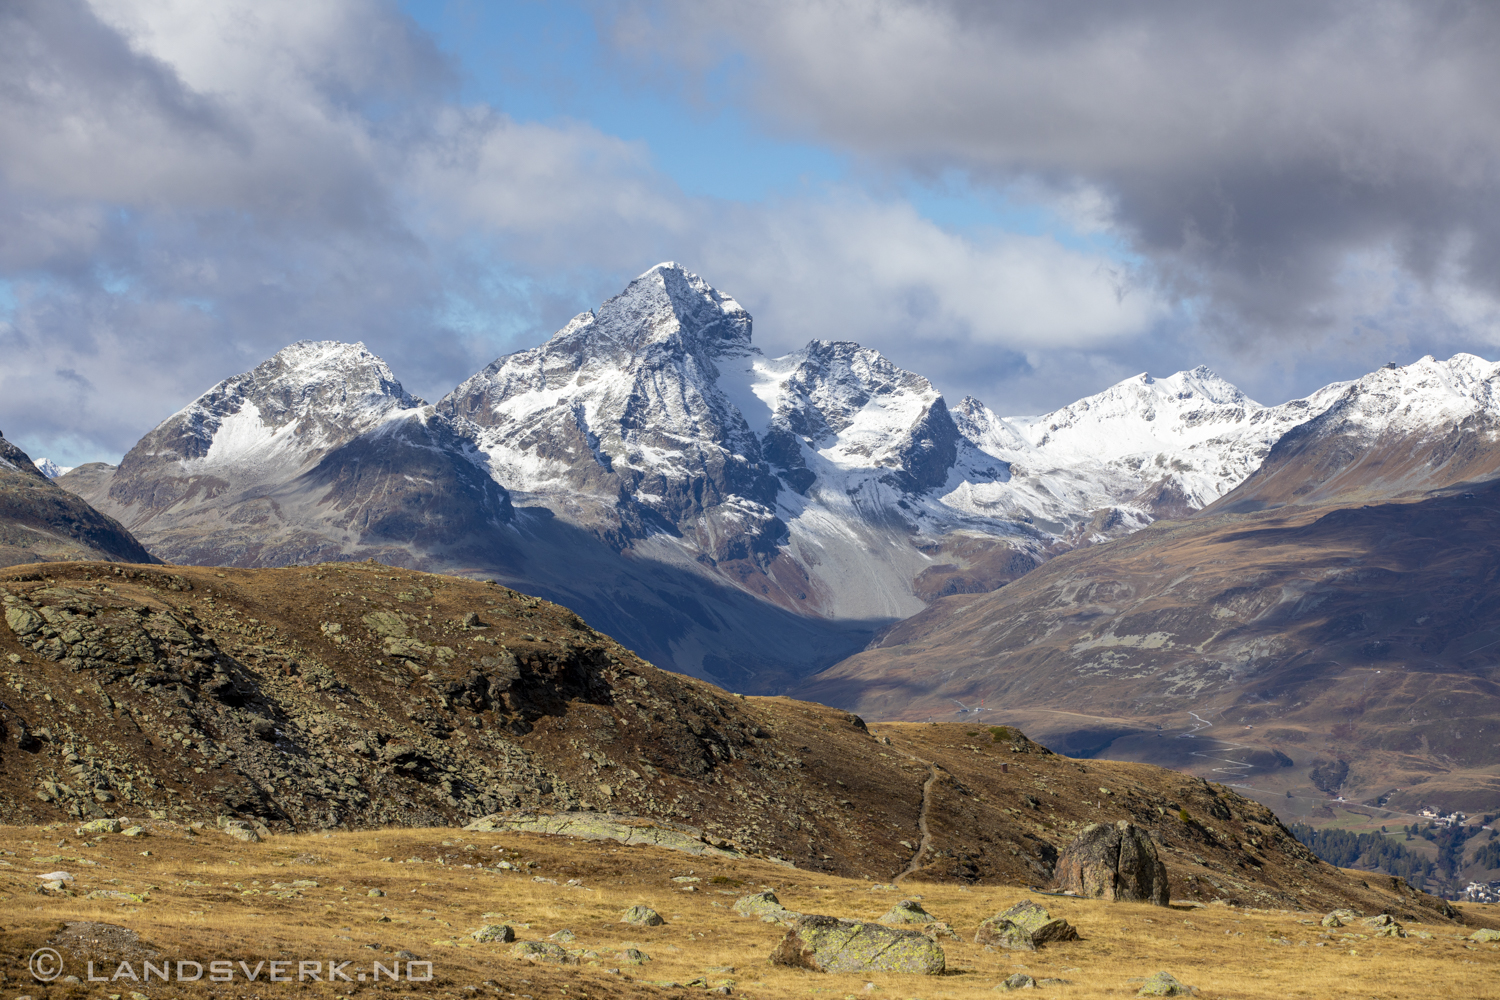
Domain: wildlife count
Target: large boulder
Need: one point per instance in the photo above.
(1024, 927)
(1116, 862)
(1485, 935)
(828, 944)
(1384, 925)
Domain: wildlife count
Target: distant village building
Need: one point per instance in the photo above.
(1442, 819)
(1481, 892)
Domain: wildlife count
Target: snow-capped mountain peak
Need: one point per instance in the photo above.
(307, 397)
(1426, 394)
(51, 469)
(668, 307)
(1142, 414)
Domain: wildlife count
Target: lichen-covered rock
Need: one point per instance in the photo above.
(1116, 862)
(766, 907)
(99, 826)
(502, 933)
(828, 944)
(1384, 925)
(1485, 935)
(634, 956)
(1004, 934)
(908, 911)
(539, 951)
(1024, 927)
(642, 916)
(1338, 918)
(1164, 984)
(1020, 981)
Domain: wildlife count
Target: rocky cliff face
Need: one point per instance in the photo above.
(621, 414)
(40, 521)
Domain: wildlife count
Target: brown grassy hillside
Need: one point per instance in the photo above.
(344, 695)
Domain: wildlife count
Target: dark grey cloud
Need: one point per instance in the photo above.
(1301, 191)
(1265, 158)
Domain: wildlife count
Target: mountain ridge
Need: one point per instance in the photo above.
(651, 466)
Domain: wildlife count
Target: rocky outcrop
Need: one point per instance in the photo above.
(596, 826)
(828, 944)
(766, 907)
(1114, 862)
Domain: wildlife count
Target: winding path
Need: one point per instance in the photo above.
(926, 842)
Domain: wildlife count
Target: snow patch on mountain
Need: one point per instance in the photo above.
(287, 411)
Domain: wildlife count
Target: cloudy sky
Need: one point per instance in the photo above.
(1025, 201)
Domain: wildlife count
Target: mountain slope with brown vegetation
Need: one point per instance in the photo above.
(355, 695)
(1305, 636)
(40, 521)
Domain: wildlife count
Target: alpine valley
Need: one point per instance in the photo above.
(735, 517)
(1146, 562)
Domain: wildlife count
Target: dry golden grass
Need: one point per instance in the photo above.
(208, 898)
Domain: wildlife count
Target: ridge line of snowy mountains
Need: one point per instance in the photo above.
(744, 519)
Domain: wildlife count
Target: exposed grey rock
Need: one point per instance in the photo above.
(828, 944)
(1384, 925)
(1116, 862)
(1024, 927)
(1164, 984)
(1339, 918)
(642, 916)
(766, 907)
(908, 911)
(539, 951)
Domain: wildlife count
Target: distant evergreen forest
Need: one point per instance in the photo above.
(1488, 856)
(1364, 850)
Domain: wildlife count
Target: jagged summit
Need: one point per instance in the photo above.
(667, 309)
(1428, 393)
